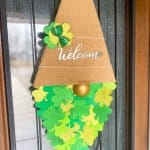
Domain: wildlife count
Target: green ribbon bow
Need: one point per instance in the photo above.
(57, 35)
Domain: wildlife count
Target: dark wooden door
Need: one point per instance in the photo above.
(25, 20)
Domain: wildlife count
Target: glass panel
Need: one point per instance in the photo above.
(20, 44)
(21, 58)
(21, 35)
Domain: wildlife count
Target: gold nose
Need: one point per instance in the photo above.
(81, 89)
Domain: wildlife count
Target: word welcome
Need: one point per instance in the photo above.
(76, 53)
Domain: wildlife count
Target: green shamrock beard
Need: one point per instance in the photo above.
(72, 122)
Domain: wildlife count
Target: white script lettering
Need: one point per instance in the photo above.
(77, 54)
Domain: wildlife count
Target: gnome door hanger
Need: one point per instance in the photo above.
(75, 79)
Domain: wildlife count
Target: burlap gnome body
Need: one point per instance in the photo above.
(75, 79)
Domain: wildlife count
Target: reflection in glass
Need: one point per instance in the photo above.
(20, 46)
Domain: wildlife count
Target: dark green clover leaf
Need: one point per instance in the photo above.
(102, 113)
(79, 145)
(48, 28)
(57, 31)
(93, 89)
(63, 41)
(42, 106)
(51, 117)
(48, 88)
(62, 95)
(81, 109)
(54, 140)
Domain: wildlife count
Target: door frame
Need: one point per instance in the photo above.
(4, 133)
(141, 76)
(7, 126)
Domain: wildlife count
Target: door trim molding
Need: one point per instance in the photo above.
(141, 74)
(129, 28)
(7, 116)
(4, 133)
